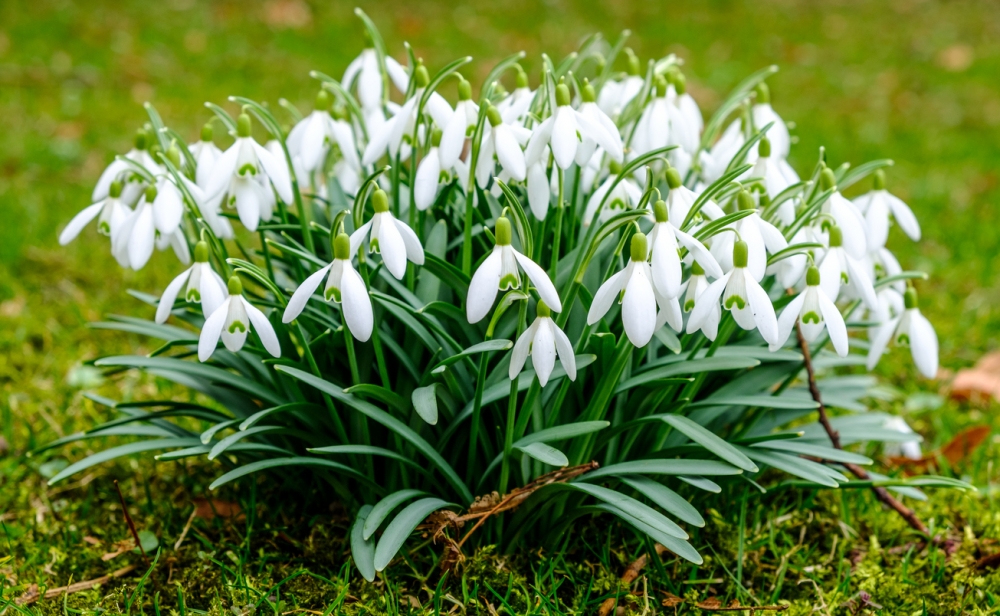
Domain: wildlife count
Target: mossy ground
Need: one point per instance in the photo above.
(909, 79)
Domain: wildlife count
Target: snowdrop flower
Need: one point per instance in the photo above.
(907, 449)
(666, 260)
(503, 141)
(681, 198)
(498, 272)
(913, 329)
(458, 128)
(624, 195)
(763, 114)
(639, 301)
(544, 341)
(838, 268)
(205, 154)
(615, 95)
(204, 286)
(399, 128)
(761, 237)
(366, 70)
(715, 161)
(110, 213)
(769, 173)
(133, 243)
(243, 173)
(343, 286)
(539, 190)
(132, 183)
(815, 310)
(695, 287)
(514, 107)
(593, 113)
(846, 215)
(877, 204)
(232, 321)
(314, 135)
(391, 238)
(742, 295)
(425, 184)
(663, 124)
(685, 102)
(567, 130)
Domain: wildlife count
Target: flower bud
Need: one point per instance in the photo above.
(763, 94)
(235, 286)
(323, 100)
(150, 193)
(826, 179)
(493, 115)
(634, 69)
(836, 236)
(743, 200)
(243, 125)
(436, 137)
(697, 269)
(673, 178)
(878, 182)
(380, 201)
(764, 148)
(910, 298)
(542, 310)
(639, 250)
(587, 93)
(562, 95)
(812, 276)
(423, 79)
(201, 252)
(464, 89)
(502, 231)
(522, 77)
(741, 254)
(660, 211)
(116, 189)
(206, 132)
(661, 86)
(342, 246)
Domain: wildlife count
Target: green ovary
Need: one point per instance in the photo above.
(736, 300)
(237, 325)
(811, 317)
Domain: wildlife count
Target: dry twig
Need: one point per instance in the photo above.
(30, 597)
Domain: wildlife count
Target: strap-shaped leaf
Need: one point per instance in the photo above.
(252, 420)
(363, 549)
(816, 451)
(765, 401)
(425, 403)
(122, 450)
(547, 454)
(384, 507)
(663, 467)
(637, 509)
(200, 450)
(400, 528)
(666, 498)
(367, 450)
(263, 465)
(710, 441)
(488, 346)
(695, 366)
(565, 431)
(793, 465)
(679, 547)
(383, 395)
(702, 483)
(447, 273)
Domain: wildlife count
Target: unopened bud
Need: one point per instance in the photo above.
(380, 201)
(634, 68)
(639, 248)
(673, 178)
(423, 79)
(826, 179)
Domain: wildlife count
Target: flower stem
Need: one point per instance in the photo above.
(509, 427)
(558, 230)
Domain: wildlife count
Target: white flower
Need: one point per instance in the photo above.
(539, 191)
(838, 268)
(625, 194)
(596, 116)
(763, 114)
(663, 124)
(846, 215)
(615, 95)
(742, 295)
(544, 341)
(312, 138)
(132, 183)
(514, 107)
(877, 205)
(178, 242)
(133, 243)
(498, 272)
(665, 256)
(567, 130)
(232, 321)
(457, 130)
(242, 173)
(391, 238)
(204, 286)
(681, 198)
(815, 311)
(695, 287)
(686, 103)
(761, 237)
(769, 172)
(110, 213)
(428, 178)
(366, 70)
(504, 141)
(205, 154)
(640, 301)
(344, 286)
(913, 329)
(715, 161)
(907, 449)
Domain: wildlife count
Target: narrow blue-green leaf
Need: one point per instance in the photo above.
(565, 431)
(666, 498)
(793, 465)
(400, 528)
(384, 507)
(663, 467)
(816, 451)
(686, 368)
(122, 450)
(383, 395)
(487, 346)
(263, 465)
(761, 400)
(710, 441)
(679, 547)
(702, 483)
(425, 403)
(546, 454)
(363, 549)
(637, 509)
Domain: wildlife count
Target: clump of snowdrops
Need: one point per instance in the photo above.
(570, 294)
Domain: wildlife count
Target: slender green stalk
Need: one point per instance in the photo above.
(508, 443)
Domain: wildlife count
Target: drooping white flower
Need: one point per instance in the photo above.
(846, 215)
(388, 236)
(133, 242)
(366, 71)
(767, 170)
(243, 174)
(344, 286)
(177, 242)
(907, 449)
(514, 107)
(110, 213)
(910, 328)
(615, 95)
(567, 130)
(716, 160)
(316, 134)
(596, 116)
(662, 123)
(761, 237)
(428, 178)
(763, 114)
(838, 269)
(232, 321)
(814, 310)
(643, 309)
(742, 295)
(544, 341)
(203, 286)
(458, 128)
(499, 272)
(876, 205)
(686, 103)
(539, 191)
(205, 154)
(665, 257)
(132, 183)
(503, 141)
(680, 199)
(616, 197)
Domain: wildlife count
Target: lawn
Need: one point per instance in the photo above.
(910, 80)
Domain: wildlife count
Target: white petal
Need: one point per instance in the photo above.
(538, 191)
(426, 183)
(786, 322)
(414, 249)
(509, 152)
(543, 351)
(397, 74)
(539, 139)
(851, 223)
(277, 172)
(605, 297)
(756, 257)
(453, 138)
(248, 197)
(564, 138)
(774, 241)
(390, 244)
(222, 171)
(639, 309)
(565, 350)
(211, 331)
(212, 290)
(835, 326)
(519, 354)
(344, 137)
(142, 238)
(858, 277)
(880, 339)
(358, 237)
(356, 304)
(706, 303)
(611, 143)
(666, 263)
(264, 329)
(540, 280)
(167, 208)
(829, 273)
(701, 254)
(439, 109)
(79, 221)
(109, 175)
(670, 314)
(877, 219)
(378, 141)
(904, 216)
(763, 311)
(170, 295)
(297, 302)
(483, 287)
(923, 344)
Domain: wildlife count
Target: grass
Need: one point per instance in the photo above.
(914, 81)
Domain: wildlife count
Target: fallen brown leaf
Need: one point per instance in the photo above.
(955, 451)
(979, 382)
(92, 540)
(670, 600)
(208, 509)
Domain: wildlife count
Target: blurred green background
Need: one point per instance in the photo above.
(910, 79)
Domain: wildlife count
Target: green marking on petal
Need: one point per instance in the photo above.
(736, 300)
(103, 227)
(373, 246)
(247, 169)
(843, 277)
(689, 305)
(193, 296)
(333, 293)
(509, 281)
(811, 317)
(903, 339)
(237, 325)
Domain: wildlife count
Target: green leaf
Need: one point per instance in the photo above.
(679, 547)
(734, 100)
(362, 549)
(368, 450)
(122, 450)
(546, 454)
(793, 465)
(702, 483)
(447, 273)
(429, 285)
(710, 441)
(148, 541)
(400, 528)
(664, 467)
(383, 395)
(425, 403)
(487, 346)
(565, 431)
(761, 400)
(666, 498)
(637, 509)
(384, 507)
(685, 368)
(281, 408)
(263, 465)
(816, 451)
